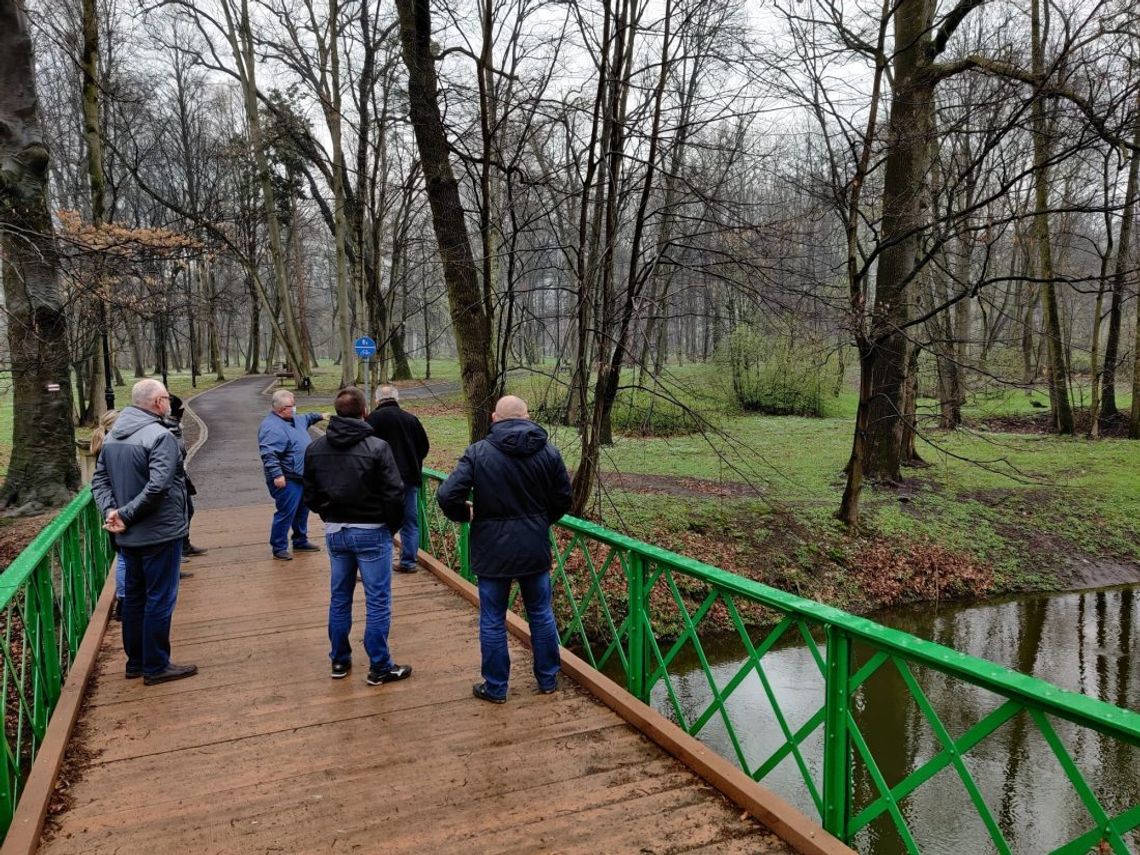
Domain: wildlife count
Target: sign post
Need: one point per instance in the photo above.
(365, 349)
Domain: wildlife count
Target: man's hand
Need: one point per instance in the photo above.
(114, 523)
(325, 416)
(279, 482)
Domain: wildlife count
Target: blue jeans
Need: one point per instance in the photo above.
(410, 530)
(494, 594)
(370, 550)
(150, 593)
(291, 513)
(120, 576)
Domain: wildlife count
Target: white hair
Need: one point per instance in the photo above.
(145, 391)
(281, 396)
(387, 393)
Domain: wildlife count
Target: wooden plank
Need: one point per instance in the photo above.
(773, 811)
(31, 811)
(263, 752)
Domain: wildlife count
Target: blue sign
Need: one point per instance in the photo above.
(365, 347)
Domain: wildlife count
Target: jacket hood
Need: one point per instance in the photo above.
(131, 420)
(344, 432)
(517, 437)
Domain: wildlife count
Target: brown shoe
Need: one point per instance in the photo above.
(172, 672)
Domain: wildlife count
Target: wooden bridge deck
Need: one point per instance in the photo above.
(263, 752)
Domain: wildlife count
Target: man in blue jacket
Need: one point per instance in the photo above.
(140, 490)
(282, 440)
(520, 488)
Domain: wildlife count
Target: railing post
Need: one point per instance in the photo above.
(465, 551)
(47, 644)
(421, 509)
(636, 677)
(837, 771)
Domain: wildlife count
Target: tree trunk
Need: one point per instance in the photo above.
(1109, 408)
(92, 127)
(42, 471)
(254, 356)
(1134, 420)
(1058, 372)
(884, 351)
(401, 370)
(470, 323)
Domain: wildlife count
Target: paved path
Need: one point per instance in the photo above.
(263, 752)
(227, 469)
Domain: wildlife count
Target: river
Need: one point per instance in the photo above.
(1083, 641)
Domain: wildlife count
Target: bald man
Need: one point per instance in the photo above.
(518, 486)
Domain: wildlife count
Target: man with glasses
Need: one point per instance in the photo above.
(139, 488)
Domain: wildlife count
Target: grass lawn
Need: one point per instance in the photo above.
(178, 381)
(1023, 506)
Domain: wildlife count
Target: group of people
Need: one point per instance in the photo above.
(363, 479)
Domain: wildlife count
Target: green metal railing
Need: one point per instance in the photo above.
(605, 584)
(47, 596)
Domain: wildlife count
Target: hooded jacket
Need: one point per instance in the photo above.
(139, 471)
(406, 437)
(351, 476)
(520, 488)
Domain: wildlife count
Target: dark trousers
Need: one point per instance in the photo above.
(150, 591)
(189, 519)
(291, 513)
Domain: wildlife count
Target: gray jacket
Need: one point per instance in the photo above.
(140, 473)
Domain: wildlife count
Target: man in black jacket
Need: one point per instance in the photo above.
(409, 443)
(351, 481)
(520, 488)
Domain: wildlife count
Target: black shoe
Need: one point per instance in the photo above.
(172, 672)
(117, 609)
(189, 550)
(549, 691)
(282, 556)
(182, 574)
(132, 675)
(479, 690)
(340, 669)
(402, 569)
(306, 547)
(396, 672)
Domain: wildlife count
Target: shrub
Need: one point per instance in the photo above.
(641, 413)
(778, 375)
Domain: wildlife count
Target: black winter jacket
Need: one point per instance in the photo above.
(406, 437)
(520, 487)
(351, 476)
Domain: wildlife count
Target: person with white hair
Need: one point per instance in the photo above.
(282, 440)
(408, 440)
(139, 488)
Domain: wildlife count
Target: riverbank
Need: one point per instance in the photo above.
(990, 513)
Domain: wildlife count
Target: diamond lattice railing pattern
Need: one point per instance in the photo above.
(647, 616)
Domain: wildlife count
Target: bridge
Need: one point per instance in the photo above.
(262, 752)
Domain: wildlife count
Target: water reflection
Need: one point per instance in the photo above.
(1083, 642)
